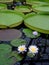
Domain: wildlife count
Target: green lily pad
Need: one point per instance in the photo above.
(20, 0)
(37, 22)
(17, 56)
(41, 9)
(5, 1)
(30, 55)
(23, 9)
(29, 33)
(5, 48)
(36, 2)
(14, 57)
(7, 57)
(10, 61)
(18, 42)
(10, 18)
(7, 61)
(9, 34)
(3, 6)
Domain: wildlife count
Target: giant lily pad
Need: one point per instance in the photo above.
(18, 42)
(5, 1)
(3, 6)
(41, 9)
(9, 34)
(32, 2)
(23, 9)
(38, 22)
(10, 18)
(20, 0)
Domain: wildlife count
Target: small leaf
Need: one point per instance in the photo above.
(29, 33)
(5, 48)
(5, 57)
(18, 42)
(7, 61)
(11, 61)
(17, 56)
(30, 54)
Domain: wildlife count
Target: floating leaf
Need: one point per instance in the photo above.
(29, 33)
(36, 2)
(7, 61)
(5, 48)
(20, 0)
(44, 0)
(37, 22)
(9, 34)
(5, 1)
(18, 42)
(23, 9)
(7, 57)
(10, 18)
(41, 9)
(30, 54)
(17, 56)
(3, 6)
(11, 61)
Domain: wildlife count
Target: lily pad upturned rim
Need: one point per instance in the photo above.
(31, 2)
(7, 1)
(27, 7)
(41, 9)
(32, 27)
(3, 6)
(13, 12)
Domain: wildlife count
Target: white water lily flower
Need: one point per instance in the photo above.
(33, 49)
(35, 33)
(22, 48)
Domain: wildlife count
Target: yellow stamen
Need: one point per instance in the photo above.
(22, 49)
(33, 49)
